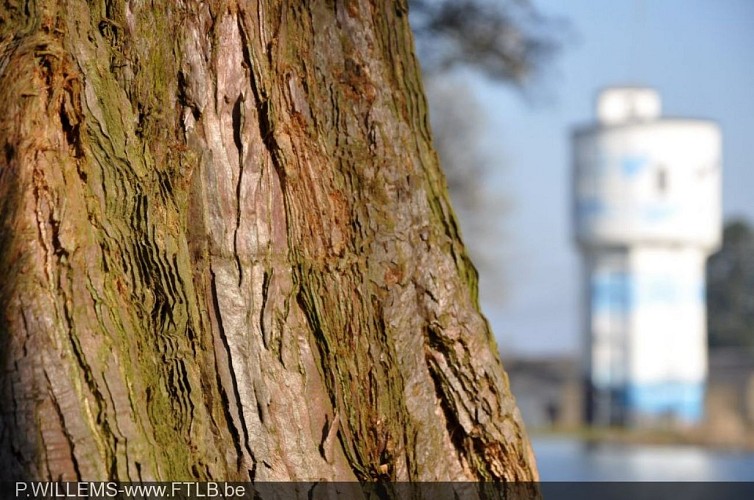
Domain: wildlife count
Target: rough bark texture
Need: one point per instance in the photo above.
(228, 252)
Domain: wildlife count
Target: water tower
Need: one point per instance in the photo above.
(647, 214)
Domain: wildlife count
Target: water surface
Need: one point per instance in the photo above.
(566, 459)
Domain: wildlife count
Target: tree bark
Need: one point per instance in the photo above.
(228, 252)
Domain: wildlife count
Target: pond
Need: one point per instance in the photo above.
(566, 459)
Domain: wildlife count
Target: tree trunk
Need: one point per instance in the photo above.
(228, 252)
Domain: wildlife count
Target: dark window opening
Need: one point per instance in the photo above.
(662, 180)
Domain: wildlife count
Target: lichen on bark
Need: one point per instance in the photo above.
(229, 252)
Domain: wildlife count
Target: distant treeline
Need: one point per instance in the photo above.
(730, 289)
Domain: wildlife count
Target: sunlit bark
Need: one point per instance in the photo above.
(228, 252)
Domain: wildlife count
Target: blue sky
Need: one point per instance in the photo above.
(699, 54)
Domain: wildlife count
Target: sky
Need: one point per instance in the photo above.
(699, 54)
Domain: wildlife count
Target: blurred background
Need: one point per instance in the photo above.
(508, 82)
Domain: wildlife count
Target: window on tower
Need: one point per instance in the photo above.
(662, 180)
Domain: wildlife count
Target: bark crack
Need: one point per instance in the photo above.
(264, 105)
(238, 124)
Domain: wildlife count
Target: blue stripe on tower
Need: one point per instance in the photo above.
(611, 293)
(683, 400)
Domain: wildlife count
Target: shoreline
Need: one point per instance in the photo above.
(703, 436)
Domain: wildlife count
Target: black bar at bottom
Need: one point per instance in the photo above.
(33, 490)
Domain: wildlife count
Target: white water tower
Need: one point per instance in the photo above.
(647, 214)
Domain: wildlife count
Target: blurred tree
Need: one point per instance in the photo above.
(730, 289)
(508, 41)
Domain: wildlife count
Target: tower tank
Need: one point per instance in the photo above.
(646, 214)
